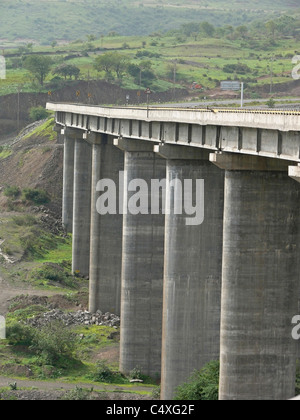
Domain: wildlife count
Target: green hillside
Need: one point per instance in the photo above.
(48, 20)
(259, 54)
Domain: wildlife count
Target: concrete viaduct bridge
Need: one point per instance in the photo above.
(189, 293)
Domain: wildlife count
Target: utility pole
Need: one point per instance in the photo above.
(139, 92)
(18, 109)
(242, 94)
(174, 79)
(148, 93)
(89, 93)
(271, 85)
(141, 77)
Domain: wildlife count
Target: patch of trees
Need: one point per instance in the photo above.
(272, 30)
(116, 66)
(146, 53)
(67, 70)
(237, 68)
(142, 73)
(39, 66)
(111, 63)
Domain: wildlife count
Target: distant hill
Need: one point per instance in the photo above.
(49, 20)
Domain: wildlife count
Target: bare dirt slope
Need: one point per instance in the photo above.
(8, 292)
(35, 161)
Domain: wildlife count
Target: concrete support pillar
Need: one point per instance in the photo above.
(82, 207)
(106, 230)
(193, 269)
(294, 173)
(68, 178)
(143, 260)
(260, 279)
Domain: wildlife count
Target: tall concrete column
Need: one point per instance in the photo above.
(294, 173)
(193, 269)
(260, 280)
(143, 261)
(82, 207)
(68, 178)
(106, 229)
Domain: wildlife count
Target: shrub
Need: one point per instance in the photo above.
(236, 68)
(38, 113)
(36, 196)
(271, 103)
(203, 385)
(12, 192)
(103, 373)
(28, 243)
(54, 343)
(13, 386)
(19, 334)
(55, 273)
(78, 394)
(136, 373)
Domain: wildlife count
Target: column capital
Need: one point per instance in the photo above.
(294, 172)
(131, 145)
(175, 152)
(71, 133)
(93, 138)
(241, 162)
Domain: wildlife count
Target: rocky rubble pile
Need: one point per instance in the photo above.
(76, 318)
(50, 220)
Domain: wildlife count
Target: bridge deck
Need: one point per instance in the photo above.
(270, 133)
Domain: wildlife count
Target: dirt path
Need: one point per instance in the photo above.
(8, 292)
(54, 386)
